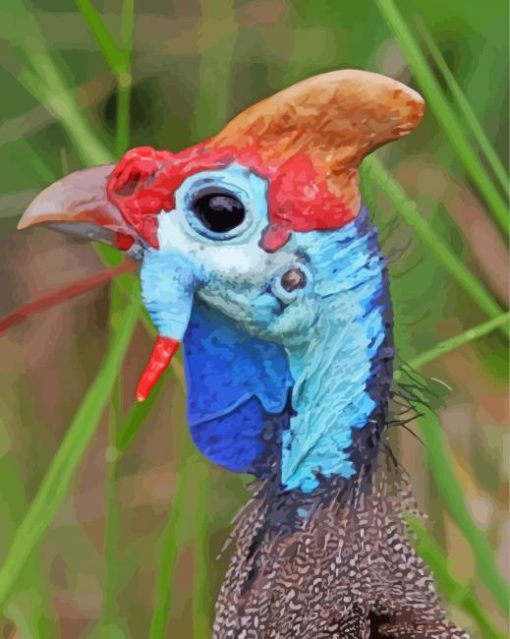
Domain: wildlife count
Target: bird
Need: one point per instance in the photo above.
(259, 257)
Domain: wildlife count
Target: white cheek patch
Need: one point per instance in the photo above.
(170, 232)
(229, 259)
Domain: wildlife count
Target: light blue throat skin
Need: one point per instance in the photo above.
(301, 385)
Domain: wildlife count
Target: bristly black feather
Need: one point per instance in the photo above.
(337, 562)
(334, 563)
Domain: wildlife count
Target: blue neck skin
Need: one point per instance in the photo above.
(342, 372)
(334, 353)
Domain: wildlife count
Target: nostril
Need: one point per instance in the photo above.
(128, 188)
(293, 279)
(287, 286)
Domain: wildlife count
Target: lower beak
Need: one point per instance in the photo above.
(78, 205)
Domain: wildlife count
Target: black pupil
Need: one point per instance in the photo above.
(219, 212)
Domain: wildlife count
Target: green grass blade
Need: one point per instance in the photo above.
(54, 95)
(452, 343)
(375, 171)
(43, 79)
(140, 410)
(56, 482)
(460, 595)
(215, 84)
(108, 618)
(137, 416)
(113, 54)
(201, 556)
(464, 107)
(440, 465)
(118, 59)
(124, 79)
(169, 552)
(30, 607)
(443, 111)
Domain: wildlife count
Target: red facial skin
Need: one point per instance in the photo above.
(144, 182)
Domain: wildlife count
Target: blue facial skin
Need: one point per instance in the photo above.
(237, 387)
(323, 349)
(334, 372)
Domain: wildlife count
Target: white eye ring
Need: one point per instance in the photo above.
(235, 181)
(289, 284)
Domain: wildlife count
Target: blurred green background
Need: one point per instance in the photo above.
(114, 529)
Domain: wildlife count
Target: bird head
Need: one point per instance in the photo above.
(257, 254)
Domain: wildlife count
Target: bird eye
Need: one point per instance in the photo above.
(218, 211)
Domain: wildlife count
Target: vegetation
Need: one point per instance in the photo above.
(111, 522)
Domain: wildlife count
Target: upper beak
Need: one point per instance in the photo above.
(78, 204)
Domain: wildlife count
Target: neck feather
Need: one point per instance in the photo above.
(342, 375)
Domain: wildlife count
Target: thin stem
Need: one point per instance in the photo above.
(452, 343)
(375, 171)
(113, 513)
(169, 549)
(464, 107)
(439, 461)
(443, 111)
(124, 79)
(119, 60)
(112, 524)
(201, 557)
(56, 481)
(122, 133)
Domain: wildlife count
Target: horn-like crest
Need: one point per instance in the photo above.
(335, 118)
(307, 141)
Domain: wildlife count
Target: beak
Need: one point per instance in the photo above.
(78, 205)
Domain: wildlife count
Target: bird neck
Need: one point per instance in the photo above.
(343, 372)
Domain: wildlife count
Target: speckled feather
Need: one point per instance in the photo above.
(347, 570)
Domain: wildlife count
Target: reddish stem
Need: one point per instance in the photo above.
(62, 294)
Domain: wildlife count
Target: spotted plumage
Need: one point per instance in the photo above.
(346, 569)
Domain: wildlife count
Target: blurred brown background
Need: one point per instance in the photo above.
(194, 65)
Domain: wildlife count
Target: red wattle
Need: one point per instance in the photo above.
(161, 356)
(274, 237)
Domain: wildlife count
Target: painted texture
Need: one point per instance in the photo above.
(291, 163)
(321, 341)
(333, 370)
